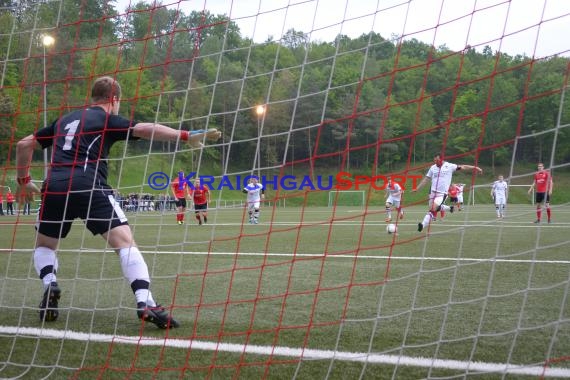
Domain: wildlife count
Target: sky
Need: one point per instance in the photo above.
(536, 28)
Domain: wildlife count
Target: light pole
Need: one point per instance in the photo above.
(47, 41)
(260, 111)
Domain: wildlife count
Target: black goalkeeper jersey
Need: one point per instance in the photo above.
(81, 141)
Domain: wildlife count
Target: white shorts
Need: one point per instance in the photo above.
(394, 202)
(460, 198)
(500, 200)
(253, 205)
(436, 199)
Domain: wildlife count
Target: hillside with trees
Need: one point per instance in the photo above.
(385, 100)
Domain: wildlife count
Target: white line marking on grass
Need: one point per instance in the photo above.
(356, 223)
(383, 257)
(316, 256)
(299, 353)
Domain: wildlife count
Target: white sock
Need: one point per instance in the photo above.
(427, 219)
(44, 257)
(135, 268)
(144, 295)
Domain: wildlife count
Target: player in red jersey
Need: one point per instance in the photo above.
(10, 203)
(200, 197)
(453, 195)
(543, 183)
(179, 193)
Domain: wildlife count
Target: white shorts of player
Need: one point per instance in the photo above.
(393, 201)
(436, 199)
(500, 200)
(460, 198)
(253, 205)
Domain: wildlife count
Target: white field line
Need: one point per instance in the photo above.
(355, 223)
(327, 224)
(299, 353)
(311, 255)
(383, 257)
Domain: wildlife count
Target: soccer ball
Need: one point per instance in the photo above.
(391, 228)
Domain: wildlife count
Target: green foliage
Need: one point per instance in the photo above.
(196, 71)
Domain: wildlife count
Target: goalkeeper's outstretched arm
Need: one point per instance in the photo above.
(159, 132)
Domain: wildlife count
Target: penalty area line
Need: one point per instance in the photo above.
(374, 257)
(320, 256)
(298, 353)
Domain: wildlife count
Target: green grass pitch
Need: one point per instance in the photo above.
(325, 279)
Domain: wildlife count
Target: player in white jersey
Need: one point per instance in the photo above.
(440, 174)
(500, 193)
(460, 187)
(393, 198)
(255, 193)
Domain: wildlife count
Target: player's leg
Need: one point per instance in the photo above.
(183, 211)
(51, 229)
(135, 270)
(205, 213)
(502, 206)
(444, 207)
(178, 212)
(46, 265)
(434, 204)
(180, 209)
(106, 218)
(197, 216)
(539, 201)
(388, 211)
(45, 259)
(250, 211)
(547, 206)
(133, 266)
(256, 208)
(398, 206)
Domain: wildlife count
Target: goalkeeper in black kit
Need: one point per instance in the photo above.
(76, 187)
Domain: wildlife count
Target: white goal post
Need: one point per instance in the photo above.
(487, 188)
(347, 198)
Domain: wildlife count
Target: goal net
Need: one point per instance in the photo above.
(301, 91)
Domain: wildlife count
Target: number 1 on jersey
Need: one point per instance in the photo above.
(70, 128)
